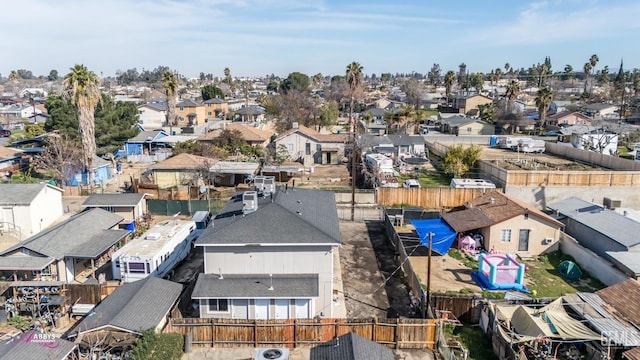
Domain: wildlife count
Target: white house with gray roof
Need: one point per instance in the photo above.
(131, 206)
(152, 115)
(274, 261)
(70, 251)
(27, 209)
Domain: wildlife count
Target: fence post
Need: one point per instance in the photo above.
(335, 328)
(213, 332)
(295, 331)
(373, 329)
(397, 334)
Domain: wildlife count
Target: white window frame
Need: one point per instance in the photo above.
(505, 235)
(218, 306)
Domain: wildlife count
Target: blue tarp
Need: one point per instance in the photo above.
(443, 234)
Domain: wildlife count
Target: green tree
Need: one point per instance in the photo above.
(568, 72)
(211, 92)
(62, 116)
(296, 81)
(53, 75)
(543, 100)
(449, 81)
(82, 86)
(487, 112)
(317, 79)
(273, 86)
(282, 154)
(354, 79)
(115, 123)
(476, 81)
(230, 140)
(513, 89)
(170, 86)
(154, 346)
(328, 115)
(227, 76)
(434, 75)
(13, 76)
(459, 159)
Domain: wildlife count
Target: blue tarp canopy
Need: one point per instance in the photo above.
(443, 234)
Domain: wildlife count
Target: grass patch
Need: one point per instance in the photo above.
(473, 339)
(465, 259)
(545, 279)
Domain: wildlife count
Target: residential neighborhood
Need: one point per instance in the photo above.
(453, 215)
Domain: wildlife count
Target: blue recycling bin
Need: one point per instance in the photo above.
(493, 141)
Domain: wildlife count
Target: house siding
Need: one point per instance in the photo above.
(278, 260)
(538, 231)
(43, 211)
(151, 119)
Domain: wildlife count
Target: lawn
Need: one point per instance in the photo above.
(473, 339)
(426, 180)
(544, 278)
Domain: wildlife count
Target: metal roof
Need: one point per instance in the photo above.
(617, 227)
(255, 286)
(133, 307)
(232, 167)
(626, 259)
(119, 200)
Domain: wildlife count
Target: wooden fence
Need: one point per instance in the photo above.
(463, 307)
(291, 333)
(429, 198)
(83, 293)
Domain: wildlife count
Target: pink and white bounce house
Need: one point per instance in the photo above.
(500, 272)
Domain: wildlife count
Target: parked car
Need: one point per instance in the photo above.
(411, 183)
(5, 133)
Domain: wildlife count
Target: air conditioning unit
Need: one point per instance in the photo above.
(547, 241)
(272, 353)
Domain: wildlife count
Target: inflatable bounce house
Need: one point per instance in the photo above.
(500, 272)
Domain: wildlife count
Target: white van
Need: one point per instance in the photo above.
(411, 183)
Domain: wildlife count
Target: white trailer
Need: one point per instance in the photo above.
(155, 253)
(531, 146)
(382, 163)
(511, 142)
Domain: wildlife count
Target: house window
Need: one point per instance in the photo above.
(505, 235)
(209, 113)
(181, 108)
(307, 149)
(218, 305)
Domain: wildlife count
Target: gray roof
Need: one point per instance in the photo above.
(187, 103)
(460, 121)
(21, 194)
(405, 140)
(215, 101)
(86, 234)
(628, 260)
(120, 200)
(617, 227)
(159, 106)
(351, 347)
(250, 110)
(295, 217)
(146, 136)
(27, 346)
(598, 106)
(255, 286)
(375, 112)
(24, 262)
(133, 307)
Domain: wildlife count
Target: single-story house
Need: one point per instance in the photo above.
(590, 138)
(73, 250)
(407, 145)
(131, 206)
(144, 142)
(182, 169)
(33, 345)
(568, 118)
(311, 147)
(351, 346)
(27, 209)
(102, 171)
(600, 110)
(252, 135)
(231, 173)
(118, 321)
(506, 224)
(462, 125)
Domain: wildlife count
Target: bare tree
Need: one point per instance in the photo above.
(61, 158)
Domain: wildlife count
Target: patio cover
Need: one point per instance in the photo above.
(443, 234)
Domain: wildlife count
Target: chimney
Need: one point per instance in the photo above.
(294, 125)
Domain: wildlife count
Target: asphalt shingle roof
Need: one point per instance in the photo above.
(134, 306)
(27, 346)
(24, 262)
(255, 286)
(21, 194)
(297, 216)
(144, 136)
(351, 347)
(83, 234)
(102, 200)
(617, 227)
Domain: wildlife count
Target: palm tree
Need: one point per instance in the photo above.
(513, 89)
(507, 67)
(593, 61)
(543, 100)
(170, 85)
(354, 79)
(227, 76)
(317, 79)
(82, 87)
(449, 80)
(587, 71)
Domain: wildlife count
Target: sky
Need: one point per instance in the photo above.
(260, 37)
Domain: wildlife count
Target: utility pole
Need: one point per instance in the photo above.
(353, 162)
(428, 300)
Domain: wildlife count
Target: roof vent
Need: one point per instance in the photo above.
(153, 236)
(249, 202)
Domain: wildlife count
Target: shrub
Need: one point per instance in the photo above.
(153, 346)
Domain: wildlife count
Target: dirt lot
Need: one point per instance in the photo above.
(447, 273)
(367, 259)
(523, 161)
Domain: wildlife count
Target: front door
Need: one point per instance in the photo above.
(328, 158)
(261, 309)
(523, 240)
